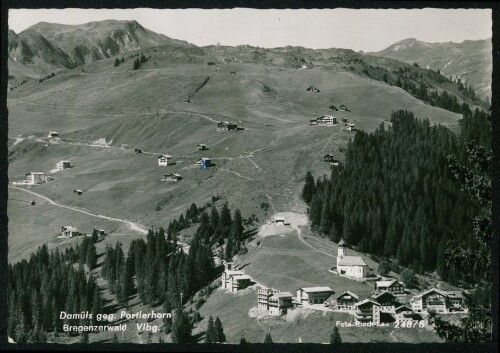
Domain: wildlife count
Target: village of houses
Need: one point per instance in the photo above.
(389, 302)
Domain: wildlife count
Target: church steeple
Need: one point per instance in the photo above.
(340, 252)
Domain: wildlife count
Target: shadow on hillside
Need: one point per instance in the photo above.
(243, 266)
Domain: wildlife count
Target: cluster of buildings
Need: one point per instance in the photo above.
(36, 178)
(387, 303)
(165, 160)
(70, 232)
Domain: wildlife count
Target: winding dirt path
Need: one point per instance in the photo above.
(132, 225)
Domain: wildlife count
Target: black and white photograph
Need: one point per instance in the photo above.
(237, 176)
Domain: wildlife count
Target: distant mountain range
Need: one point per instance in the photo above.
(471, 61)
(48, 46)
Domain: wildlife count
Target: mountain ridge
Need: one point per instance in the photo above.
(468, 61)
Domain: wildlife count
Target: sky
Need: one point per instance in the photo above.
(364, 29)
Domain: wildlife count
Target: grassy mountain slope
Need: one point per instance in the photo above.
(145, 109)
(471, 61)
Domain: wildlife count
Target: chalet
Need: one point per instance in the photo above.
(204, 162)
(313, 121)
(312, 89)
(367, 311)
(33, 203)
(171, 177)
(333, 108)
(349, 126)
(164, 160)
(328, 157)
(344, 120)
(386, 300)
(69, 232)
(53, 134)
(438, 301)
(350, 266)
(201, 147)
(403, 313)
(100, 232)
(63, 165)
(263, 296)
(343, 108)
(78, 191)
(34, 178)
(136, 150)
(226, 126)
(313, 295)
(345, 301)
(279, 220)
(391, 286)
(454, 301)
(279, 303)
(326, 120)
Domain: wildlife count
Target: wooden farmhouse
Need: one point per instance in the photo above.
(172, 177)
(164, 160)
(279, 303)
(438, 301)
(367, 311)
(313, 295)
(69, 232)
(63, 165)
(345, 301)
(204, 161)
(53, 134)
(226, 126)
(391, 286)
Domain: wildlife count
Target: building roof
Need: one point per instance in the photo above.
(279, 218)
(35, 173)
(203, 159)
(341, 242)
(282, 295)
(385, 283)
(316, 289)
(352, 261)
(349, 293)
(201, 144)
(71, 229)
(430, 291)
(403, 308)
(238, 277)
(165, 156)
(64, 161)
(234, 273)
(365, 302)
(454, 294)
(172, 174)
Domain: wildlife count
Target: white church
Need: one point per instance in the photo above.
(350, 266)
